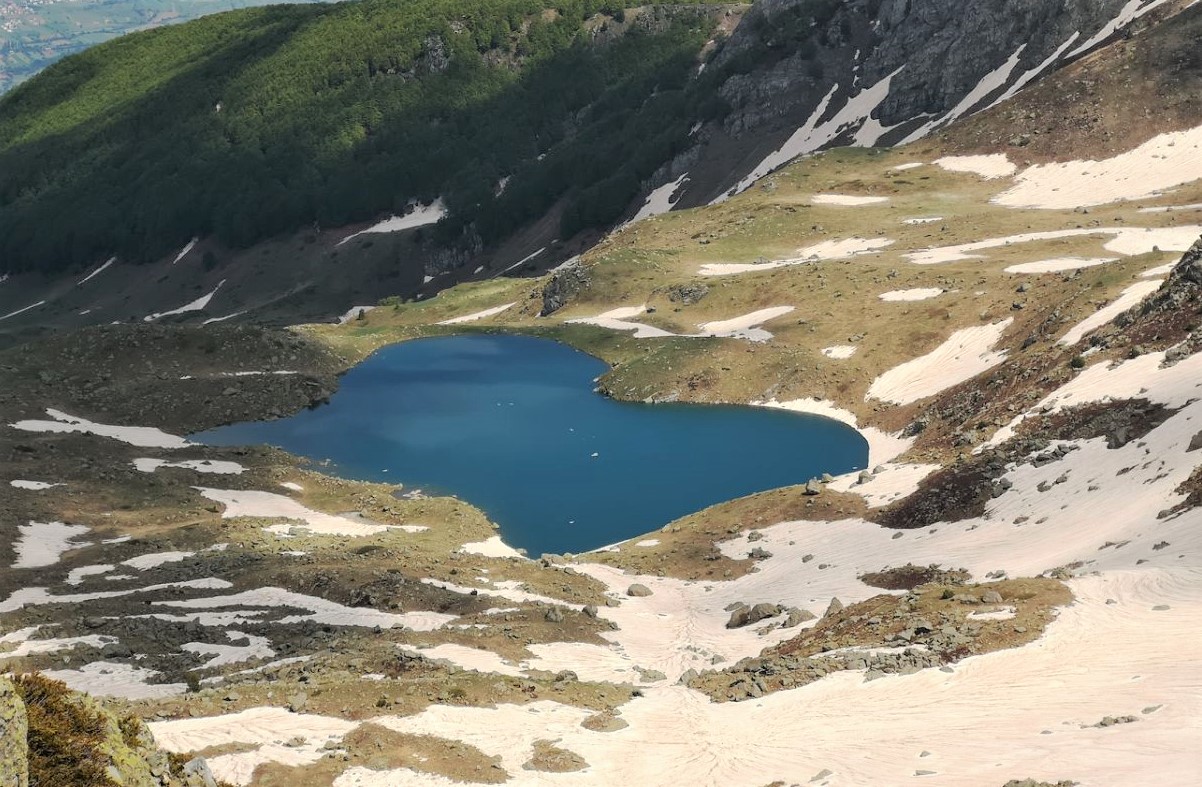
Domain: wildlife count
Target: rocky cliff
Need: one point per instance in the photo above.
(52, 736)
(880, 72)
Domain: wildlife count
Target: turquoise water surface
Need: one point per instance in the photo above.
(512, 424)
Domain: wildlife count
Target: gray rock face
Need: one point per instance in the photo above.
(562, 286)
(934, 52)
(687, 293)
(197, 771)
(14, 744)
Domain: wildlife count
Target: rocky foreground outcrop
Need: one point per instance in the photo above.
(50, 735)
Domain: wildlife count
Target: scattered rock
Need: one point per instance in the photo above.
(637, 590)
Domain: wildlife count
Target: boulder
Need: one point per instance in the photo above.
(745, 615)
(637, 590)
(796, 617)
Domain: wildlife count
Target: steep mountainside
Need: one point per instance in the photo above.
(262, 134)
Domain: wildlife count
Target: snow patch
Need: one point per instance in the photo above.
(1128, 298)
(251, 503)
(140, 436)
(492, 546)
(196, 305)
(109, 679)
(1059, 264)
(988, 167)
(148, 465)
(480, 315)
(840, 352)
(846, 200)
(965, 354)
(42, 543)
(659, 201)
(826, 250)
(33, 486)
(96, 272)
(420, 216)
(1163, 162)
(318, 610)
(919, 294)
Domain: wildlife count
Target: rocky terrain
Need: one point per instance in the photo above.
(1008, 595)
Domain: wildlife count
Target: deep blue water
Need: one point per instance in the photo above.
(512, 425)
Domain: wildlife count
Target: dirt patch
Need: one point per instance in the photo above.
(549, 758)
(910, 576)
(378, 748)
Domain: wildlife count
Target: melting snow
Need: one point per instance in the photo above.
(846, 200)
(320, 610)
(22, 311)
(987, 167)
(420, 216)
(1128, 298)
(840, 352)
(826, 250)
(920, 294)
(964, 355)
(106, 679)
(480, 315)
(1059, 264)
(268, 729)
(252, 503)
(34, 486)
(492, 546)
(42, 543)
(96, 272)
(255, 648)
(156, 559)
(1163, 162)
(195, 306)
(659, 201)
(141, 436)
(148, 465)
(184, 252)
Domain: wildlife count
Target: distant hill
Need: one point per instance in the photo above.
(36, 33)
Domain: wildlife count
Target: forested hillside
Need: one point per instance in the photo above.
(36, 33)
(247, 124)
